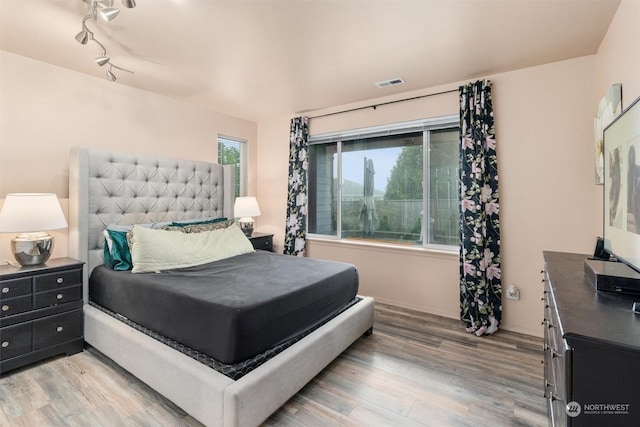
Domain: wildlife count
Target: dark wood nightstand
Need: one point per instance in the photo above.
(262, 241)
(40, 312)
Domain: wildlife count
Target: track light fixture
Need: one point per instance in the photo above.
(108, 13)
(104, 10)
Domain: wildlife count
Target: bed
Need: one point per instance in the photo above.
(119, 188)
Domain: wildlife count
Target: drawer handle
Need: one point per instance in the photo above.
(5, 344)
(59, 329)
(5, 290)
(5, 308)
(547, 384)
(59, 296)
(59, 280)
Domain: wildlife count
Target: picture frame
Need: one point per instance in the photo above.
(609, 107)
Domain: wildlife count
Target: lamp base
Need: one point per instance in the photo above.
(246, 225)
(32, 248)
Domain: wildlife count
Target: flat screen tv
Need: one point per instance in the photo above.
(622, 187)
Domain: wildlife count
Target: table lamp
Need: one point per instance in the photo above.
(245, 208)
(30, 215)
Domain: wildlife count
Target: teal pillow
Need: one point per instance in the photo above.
(117, 255)
(198, 221)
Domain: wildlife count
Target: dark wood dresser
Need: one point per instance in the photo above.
(591, 350)
(40, 312)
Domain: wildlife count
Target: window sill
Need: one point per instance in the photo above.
(386, 247)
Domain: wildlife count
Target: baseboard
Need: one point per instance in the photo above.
(449, 315)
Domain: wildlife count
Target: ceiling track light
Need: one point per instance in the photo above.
(108, 13)
(105, 10)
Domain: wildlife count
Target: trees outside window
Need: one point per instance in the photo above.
(378, 184)
(233, 151)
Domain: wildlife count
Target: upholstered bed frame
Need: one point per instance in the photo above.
(106, 188)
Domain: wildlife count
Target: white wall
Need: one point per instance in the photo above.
(618, 61)
(544, 138)
(544, 125)
(45, 110)
(545, 147)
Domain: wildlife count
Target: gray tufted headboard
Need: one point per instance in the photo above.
(120, 188)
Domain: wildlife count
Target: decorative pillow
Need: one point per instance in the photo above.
(117, 255)
(157, 250)
(198, 221)
(200, 227)
(116, 250)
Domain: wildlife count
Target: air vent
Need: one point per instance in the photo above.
(391, 82)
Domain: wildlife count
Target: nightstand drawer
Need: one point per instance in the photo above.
(263, 242)
(57, 329)
(15, 288)
(57, 296)
(15, 340)
(63, 279)
(13, 306)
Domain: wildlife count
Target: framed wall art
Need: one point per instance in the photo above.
(609, 107)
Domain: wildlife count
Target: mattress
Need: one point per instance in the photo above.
(230, 310)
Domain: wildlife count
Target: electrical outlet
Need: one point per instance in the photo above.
(513, 293)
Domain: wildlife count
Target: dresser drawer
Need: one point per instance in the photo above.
(62, 279)
(57, 296)
(57, 329)
(15, 340)
(13, 306)
(15, 288)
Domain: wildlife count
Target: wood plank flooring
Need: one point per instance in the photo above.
(415, 370)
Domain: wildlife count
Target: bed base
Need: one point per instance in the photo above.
(211, 397)
(123, 188)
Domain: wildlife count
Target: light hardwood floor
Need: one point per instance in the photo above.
(415, 370)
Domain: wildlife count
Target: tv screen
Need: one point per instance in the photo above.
(622, 186)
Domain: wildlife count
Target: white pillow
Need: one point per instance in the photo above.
(156, 250)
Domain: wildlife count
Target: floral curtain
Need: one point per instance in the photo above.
(296, 227)
(480, 270)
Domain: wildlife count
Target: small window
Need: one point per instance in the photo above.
(392, 184)
(234, 151)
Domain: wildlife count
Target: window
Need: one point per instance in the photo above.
(233, 151)
(389, 177)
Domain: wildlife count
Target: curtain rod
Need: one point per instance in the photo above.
(374, 106)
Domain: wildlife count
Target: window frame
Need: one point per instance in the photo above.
(243, 173)
(423, 125)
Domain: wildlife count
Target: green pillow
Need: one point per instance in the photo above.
(157, 250)
(117, 255)
(186, 222)
(200, 227)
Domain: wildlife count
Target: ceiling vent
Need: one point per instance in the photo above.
(391, 82)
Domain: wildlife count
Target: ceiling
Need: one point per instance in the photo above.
(254, 59)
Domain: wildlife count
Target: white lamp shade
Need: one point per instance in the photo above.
(31, 212)
(246, 207)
